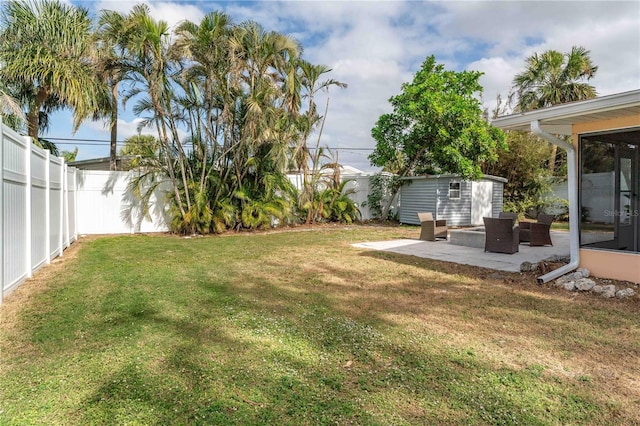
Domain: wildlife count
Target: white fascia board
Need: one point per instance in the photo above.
(559, 119)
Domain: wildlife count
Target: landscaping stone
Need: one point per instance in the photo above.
(529, 267)
(585, 284)
(627, 292)
(608, 291)
(569, 286)
(557, 259)
(581, 273)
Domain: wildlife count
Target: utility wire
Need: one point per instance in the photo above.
(103, 142)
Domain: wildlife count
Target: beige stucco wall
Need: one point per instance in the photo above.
(617, 265)
(598, 126)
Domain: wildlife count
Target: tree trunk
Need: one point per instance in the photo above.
(33, 116)
(113, 148)
(552, 158)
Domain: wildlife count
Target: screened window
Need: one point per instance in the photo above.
(609, 187)
(454, 190)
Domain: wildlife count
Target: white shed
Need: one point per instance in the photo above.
(461, 202)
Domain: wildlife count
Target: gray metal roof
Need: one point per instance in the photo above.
(452, 176)
(560, 119)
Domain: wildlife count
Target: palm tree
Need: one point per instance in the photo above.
(311, 83)
(10, 109)
(111, 64)
(205, 84)
(554, 78)
(44, 48)
(147, 45)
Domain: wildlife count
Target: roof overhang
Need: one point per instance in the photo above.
(560, 119)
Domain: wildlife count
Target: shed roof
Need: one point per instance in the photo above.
(560, 119)
(451, 176)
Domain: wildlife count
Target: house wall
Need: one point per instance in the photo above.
(498, 199)
(432, 195)
(619, 265)
(417, 195)
(457, 212)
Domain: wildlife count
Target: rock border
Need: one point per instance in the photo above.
(579, 280)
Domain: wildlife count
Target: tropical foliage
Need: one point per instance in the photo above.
(553, 78)
(232, 107)
(529, 163)
(44, 50)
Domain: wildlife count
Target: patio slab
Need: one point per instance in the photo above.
(444, 250)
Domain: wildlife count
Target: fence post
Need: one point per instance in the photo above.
(47, 205)
(75, 204)
(65, 208)
(1, 210)
(27, 198)
(60, 222)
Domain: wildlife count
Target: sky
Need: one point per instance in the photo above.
(375, 46)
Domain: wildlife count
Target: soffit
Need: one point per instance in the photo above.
(561, 118)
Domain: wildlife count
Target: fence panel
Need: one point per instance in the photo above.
(72, 203)
(106, 206)
(14, 203)
(55, 200)
(39, 208)
(35, 208)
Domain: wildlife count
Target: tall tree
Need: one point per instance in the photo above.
(44, 49)
(111, 63)
(553, 78)
(310, 84)
(436, 126)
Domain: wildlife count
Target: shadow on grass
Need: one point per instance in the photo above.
(376, 338)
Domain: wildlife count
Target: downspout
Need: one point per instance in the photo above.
(574, 213)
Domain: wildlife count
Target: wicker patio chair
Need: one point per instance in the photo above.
(537, 233)
(541, 231)
(501, 235)
(432, 229)
(508, 215)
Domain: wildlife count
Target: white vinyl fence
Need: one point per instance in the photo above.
(37, 208)
(45, 205)
(107, 206)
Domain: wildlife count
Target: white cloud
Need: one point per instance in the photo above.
(375, 46)
(171, 13)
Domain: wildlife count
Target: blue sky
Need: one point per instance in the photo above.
(375, 46)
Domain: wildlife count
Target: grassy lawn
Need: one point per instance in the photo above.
(301, 328)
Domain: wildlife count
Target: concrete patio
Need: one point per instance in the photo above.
(444, 250)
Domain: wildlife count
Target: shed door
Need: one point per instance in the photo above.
(481, 196)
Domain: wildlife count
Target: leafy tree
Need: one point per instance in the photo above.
(522, 162)
(436, 126)
(553, 78)
(44, 47)
(144, 146)
(111, 64)
(236, 90)
(381, 187)
(70, 156)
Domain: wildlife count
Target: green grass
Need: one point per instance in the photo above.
(301, 328)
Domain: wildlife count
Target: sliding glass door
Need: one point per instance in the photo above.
(627, 197)
(610, 190)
